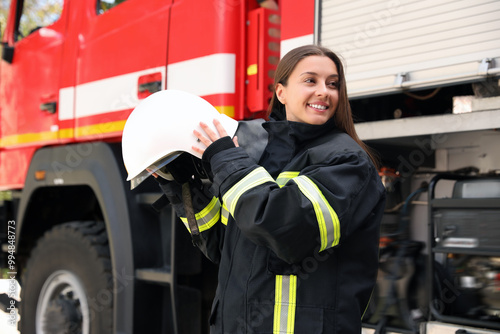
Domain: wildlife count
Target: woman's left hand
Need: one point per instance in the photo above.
(210, 136)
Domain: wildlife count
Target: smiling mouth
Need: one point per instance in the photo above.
(318, 106)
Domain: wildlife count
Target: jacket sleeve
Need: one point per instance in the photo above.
(207, 210)
(301, 211)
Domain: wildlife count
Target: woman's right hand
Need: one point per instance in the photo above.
(210, 136)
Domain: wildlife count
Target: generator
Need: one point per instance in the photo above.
(464, 256)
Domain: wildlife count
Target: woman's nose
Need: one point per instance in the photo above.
(321, 89)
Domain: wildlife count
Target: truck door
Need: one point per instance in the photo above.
(122, 58)
(29, 86)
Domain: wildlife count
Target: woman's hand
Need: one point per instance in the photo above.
(210, 136)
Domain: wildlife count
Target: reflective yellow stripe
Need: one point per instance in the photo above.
(285, 303)
(66, 133)
(88, 130)
(226, 110)
(99, 129)
(284, 177)
(224, 214)
(328, 221)
(28, 138)
(292, 305)
(257, 177)
(277, 303)
(207, 217)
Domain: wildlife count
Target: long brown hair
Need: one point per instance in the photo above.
(343, 114)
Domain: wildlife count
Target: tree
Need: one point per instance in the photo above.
(4, 11)
(38, 14)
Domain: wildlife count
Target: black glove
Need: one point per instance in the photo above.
(173, 192)
(200, 194)
(217, 146)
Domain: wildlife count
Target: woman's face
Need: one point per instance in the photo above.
(311, 95)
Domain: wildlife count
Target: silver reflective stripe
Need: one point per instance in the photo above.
(207, 217)
(285, 303)
(328, 222)
(257, 177)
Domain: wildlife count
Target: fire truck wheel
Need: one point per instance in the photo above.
(67, 286)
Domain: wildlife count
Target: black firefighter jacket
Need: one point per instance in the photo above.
(295, 234)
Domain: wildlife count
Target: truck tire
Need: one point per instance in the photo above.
(67, 286)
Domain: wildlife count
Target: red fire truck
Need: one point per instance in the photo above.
(92, 256)
(67, 89)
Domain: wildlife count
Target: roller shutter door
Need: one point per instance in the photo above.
(393, 44)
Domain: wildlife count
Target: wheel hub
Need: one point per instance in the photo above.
(62, 316)
(62, 306)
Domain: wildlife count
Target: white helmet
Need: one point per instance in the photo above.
(161, 127)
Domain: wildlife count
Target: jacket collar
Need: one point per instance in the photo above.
(300, 132)
(286, 139)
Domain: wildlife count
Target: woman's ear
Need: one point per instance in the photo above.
(280, 93)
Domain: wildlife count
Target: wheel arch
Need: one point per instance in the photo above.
(48, 206)
(93, 174)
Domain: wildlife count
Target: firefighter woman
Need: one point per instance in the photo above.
(300, 249)
(294, 229)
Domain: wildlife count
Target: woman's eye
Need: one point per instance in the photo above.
(333, 84)
(309, 80)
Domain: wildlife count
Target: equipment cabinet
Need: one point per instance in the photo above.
(464, 258)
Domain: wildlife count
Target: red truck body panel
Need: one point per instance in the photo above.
(79, 78)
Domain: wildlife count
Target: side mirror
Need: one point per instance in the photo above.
(7, 52)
